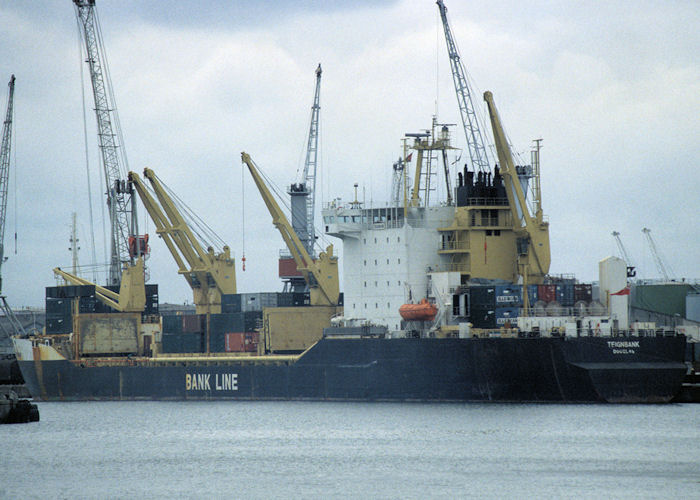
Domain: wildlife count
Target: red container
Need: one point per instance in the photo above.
(235, 342)
(547, 293)
(251, 341)
(192, 323)
(288, 268)
(583, 292)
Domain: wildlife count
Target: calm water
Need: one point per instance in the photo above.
(355, 450)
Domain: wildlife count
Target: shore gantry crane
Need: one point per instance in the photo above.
(321, 274)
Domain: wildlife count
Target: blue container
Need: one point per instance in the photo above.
(532, 295)
(217, 342)
(57, 326)
(509, 295)
(171, 343)
(252, 319)
(483, 317)
(565, 294)
(227, 323)
(482, 297)
(507, 315)
(192, 342)
(172, 324)
(285, 299)
(58, 308)
(231, 303)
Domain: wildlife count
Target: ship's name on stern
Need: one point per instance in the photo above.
(204, 382)
(623, 346)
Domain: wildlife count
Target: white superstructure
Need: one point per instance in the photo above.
(386, 256)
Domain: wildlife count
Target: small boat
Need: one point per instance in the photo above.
(423, 311)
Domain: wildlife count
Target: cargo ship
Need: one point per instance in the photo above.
(431, 311)
(445, 299)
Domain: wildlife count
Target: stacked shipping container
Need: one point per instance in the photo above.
(189, 332)
(59, 301)
(493, 306)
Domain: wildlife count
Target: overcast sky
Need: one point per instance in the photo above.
(613, 88)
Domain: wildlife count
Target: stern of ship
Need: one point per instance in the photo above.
(629, 369)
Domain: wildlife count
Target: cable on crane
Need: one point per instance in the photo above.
(243, 213)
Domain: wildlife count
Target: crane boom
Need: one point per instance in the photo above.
(209, 274)
(109, 137)
(631, 273)
(321, 274)
(303, 194)
(4, 180)
(532, 232)
(655, 254)
(310, 164)
(5, 167)
(132, 289)
(472, 131)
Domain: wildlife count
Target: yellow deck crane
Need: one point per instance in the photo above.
(132, 288)
(321, 274)
(532, 231)
(209, 274)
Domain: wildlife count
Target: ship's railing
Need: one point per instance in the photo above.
(488, 202)
(453, 245)
(504, 220)
(559, 311)
(535, 333)
(454, 267)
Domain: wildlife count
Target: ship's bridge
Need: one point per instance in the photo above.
(350, 220)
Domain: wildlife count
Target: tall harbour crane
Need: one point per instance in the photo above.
(303, 199)
(631, 272)
(472, 131)
(119, 199)
(303, 210)
(4, 180)
(655, 254)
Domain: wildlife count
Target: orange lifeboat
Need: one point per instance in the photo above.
(423, 311)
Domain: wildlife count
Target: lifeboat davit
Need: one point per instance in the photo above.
(423, 311)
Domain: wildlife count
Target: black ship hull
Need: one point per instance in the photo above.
(583, 369)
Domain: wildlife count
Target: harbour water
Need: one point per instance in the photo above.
(352, 450)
